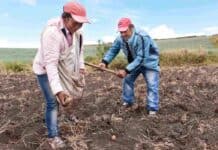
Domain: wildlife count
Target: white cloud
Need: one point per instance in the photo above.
(3, 42)
(145, 28)
(159, 32)
(108, 39)
(211, 30)
(29, 2)
(90, 42)
(162, 32)
(105, 39)
(15, 44)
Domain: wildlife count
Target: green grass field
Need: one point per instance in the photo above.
(187, 43)
(17, 54)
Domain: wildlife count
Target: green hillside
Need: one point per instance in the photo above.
(17, 54)
(186, 43)
(194, 43)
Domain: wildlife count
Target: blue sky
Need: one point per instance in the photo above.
(22, 20)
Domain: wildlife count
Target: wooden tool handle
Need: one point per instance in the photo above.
(104, 69)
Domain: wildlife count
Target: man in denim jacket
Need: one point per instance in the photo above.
(143, 57)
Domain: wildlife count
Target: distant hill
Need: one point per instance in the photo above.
(192, 43)
(188, 43)
(17, 54)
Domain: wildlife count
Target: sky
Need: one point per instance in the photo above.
(23, 20)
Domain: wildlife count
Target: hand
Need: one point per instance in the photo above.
(102, 65)
(121, 73)
(64, 98)
(82, 71)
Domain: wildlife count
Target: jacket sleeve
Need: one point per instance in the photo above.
(141, 54)
(51, 51)
(112, 52)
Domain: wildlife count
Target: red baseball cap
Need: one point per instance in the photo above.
(77, 11)
(123, 24)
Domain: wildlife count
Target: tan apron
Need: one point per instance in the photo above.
(68, 67)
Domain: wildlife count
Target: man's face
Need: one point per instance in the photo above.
(126, 34)
(72, 25)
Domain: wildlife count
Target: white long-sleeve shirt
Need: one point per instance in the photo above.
(53, 43)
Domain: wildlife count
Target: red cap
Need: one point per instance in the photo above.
(123, 24)
(77, 11)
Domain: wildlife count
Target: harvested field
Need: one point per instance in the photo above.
(188, 116)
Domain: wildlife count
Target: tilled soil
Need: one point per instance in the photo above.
(188, 116)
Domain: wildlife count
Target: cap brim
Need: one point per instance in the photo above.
(122, 29)
(80, 19)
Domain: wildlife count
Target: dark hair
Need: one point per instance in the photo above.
(66, 15)
(131, 26)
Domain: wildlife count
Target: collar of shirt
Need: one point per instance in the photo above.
(67, 31)
(62, 26)
(132, 37)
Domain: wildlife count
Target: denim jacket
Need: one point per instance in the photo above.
(142, 49)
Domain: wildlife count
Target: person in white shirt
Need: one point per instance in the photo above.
(60, 54)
